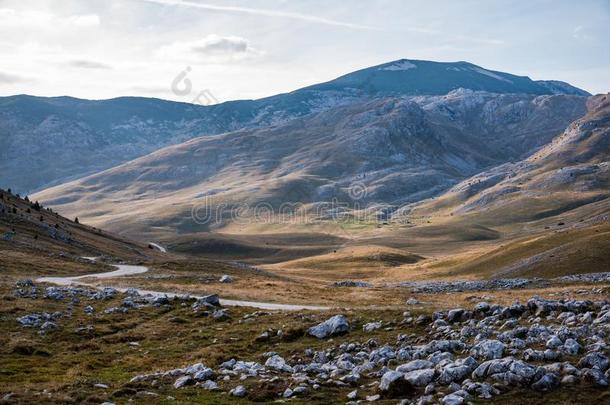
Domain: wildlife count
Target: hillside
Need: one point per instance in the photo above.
(552, 208)
(47, 141)
(400, 150)
(37, 240)
(571, 171)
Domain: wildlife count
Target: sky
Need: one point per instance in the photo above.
(208, 52)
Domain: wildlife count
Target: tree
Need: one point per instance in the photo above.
(76, 220)
(26, 198)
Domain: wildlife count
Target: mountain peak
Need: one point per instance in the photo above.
(421, 77)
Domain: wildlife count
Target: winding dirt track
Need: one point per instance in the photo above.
(128, 270)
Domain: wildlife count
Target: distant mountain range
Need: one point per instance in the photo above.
(48, 141)
(401, 150)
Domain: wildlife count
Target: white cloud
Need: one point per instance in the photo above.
(52, 47)
(87, 64)
(9, 78)
(580, 33)
(41, 19)
(262, 12)
(87, 20)
(212, 48)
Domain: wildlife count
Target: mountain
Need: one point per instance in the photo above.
(550, 211)
(44, 141)
(401, 150)
(570, 171)
(47, 141)
(415, 77)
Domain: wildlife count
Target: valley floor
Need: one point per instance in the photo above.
(447, 312)
(73, 345)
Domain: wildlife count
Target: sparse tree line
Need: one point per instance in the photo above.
(10, 207)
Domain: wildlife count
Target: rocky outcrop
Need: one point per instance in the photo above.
(336, 325)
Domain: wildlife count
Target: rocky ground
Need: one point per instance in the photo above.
(127, 347)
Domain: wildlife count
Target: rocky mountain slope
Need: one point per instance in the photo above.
(570, 171)
(47, 141)
(399, 150)
(551, 209)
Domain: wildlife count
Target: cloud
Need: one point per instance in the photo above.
(158, 90)
(40, 19)
(214, 44)
(580, 33)
(262, 12)
(87, 64)
(7, 78)
(213, 48)
(483, 41)
(87, 20)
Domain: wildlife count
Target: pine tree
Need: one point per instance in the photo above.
(76, 220)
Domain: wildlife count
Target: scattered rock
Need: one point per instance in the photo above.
(506, 340)
(183, 381)
(488, 349)
(278, 363)
(546, 382)
(206, 302)
(393, 384)
(452, 399)
(371, 326)
(596, 377)
(420, 378)
(209, 385)
(351, 283)
(221, 315)
(333, 326)
(239, 391)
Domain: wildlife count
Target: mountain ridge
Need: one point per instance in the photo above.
(401, 150)
(48, 141)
